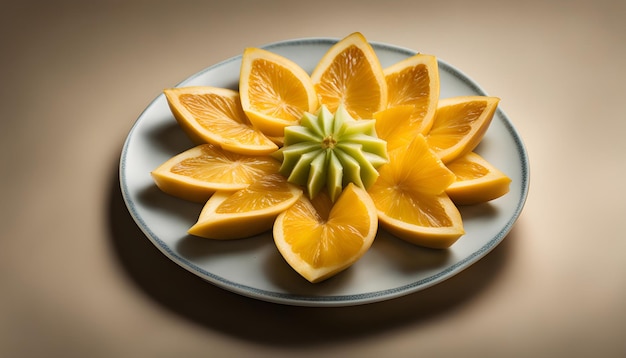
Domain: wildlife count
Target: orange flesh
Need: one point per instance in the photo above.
(262, 194)
(221, 115)
(448, 130)
(214, 166)
(340, 85)
(404, 203)
(326, 237)
(466, 170)
(410, 86)
(275, 91)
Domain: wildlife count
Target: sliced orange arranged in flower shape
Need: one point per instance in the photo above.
(429, 141)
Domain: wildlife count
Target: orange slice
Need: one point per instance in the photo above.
(350, 74)
(319, 239)
(395, 127)
(246, 212)
(415, 81)
(460, 124)
(410, 197)
(197, 173)
(275, 91)
(477, 180)
(214, 115)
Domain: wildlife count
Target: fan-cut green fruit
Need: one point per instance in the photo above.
(332, 150)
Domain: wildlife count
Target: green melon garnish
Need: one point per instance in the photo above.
(332, 150)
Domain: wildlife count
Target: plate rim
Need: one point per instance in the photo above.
(331, 300)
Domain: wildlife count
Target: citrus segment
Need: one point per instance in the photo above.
(319, 239)
(275, 91)
(350, 73)
(415, 81)
(198, 172)
(247, 212)
(477, 180)
(416, 168)
(214, 115)
(432, 220)
(394, 126)
(410, 197)
(460, 124)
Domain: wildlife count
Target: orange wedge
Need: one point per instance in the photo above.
(214, 115)
(319, 239)
(197, 173)
(394, 125)
(411, 200)
(477, 180)
(460, 124)
(350, 74)
(415, 81)
(246, 212)
(275, 91)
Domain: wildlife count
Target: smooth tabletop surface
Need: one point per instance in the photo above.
(79, 278)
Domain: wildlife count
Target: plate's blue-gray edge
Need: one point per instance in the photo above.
(338, 300)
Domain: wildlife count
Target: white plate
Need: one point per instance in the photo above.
(253, 267)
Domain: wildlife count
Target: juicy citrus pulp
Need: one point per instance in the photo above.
(247, 212)
(395, 127)
(319, 238)
(432, 220)
(415, 81)
(198, 172)
(477, 180)
(460, 124)
(350, 73)
(214, 115)
(410, 197)
(275, 91)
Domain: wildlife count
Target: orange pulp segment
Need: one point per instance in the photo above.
(415, 81)
(197, 173)
(460, 124)
(214, 115)
(319, 238)
(247, 212)
(275, 91)
(477, 180)
(410, 197)
(350, 73)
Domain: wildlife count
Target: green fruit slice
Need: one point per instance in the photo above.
(332, 150)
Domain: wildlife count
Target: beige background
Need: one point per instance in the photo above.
(78, 279)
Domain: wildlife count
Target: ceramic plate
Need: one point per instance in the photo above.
(253, 267)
